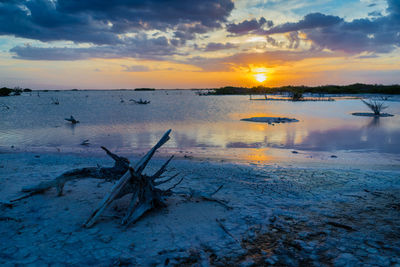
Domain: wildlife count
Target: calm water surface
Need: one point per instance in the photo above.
(202, 125)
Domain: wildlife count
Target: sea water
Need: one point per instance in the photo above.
(202, 126)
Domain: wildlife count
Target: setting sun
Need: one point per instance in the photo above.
(260, 77)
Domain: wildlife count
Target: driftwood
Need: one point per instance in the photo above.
(145, 195)
(121, 165)
(72, 120)
(220, 224)
(141, 101)
(55, 101)
(194, 194)
(85, 142)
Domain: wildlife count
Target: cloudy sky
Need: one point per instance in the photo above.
(100, 44)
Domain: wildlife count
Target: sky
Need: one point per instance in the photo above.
(102, 44)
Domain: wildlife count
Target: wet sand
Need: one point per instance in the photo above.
(280, 215)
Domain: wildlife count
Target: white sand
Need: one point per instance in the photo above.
(284, 216)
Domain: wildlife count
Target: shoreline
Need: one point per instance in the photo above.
(284, 157)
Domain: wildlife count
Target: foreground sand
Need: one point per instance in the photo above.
(281, 216)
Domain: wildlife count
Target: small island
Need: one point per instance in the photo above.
(376, 106)
(145, 89)
(270, 120)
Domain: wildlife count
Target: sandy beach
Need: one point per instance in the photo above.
(280, 216)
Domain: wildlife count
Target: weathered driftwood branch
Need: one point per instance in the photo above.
(85, 142)
(227, 232)
(195, 194)
(145, 195)
(121, 165)
(198, 195)
(143, 102)
(72, 120)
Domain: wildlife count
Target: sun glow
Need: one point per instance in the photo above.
(260, 77)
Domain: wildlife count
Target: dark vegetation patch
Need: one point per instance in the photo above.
(5, 91)
(297, 91)
(145, 89)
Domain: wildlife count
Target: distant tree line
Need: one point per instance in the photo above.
(357, 88)
(145, 89)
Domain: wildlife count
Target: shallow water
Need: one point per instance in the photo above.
(202, 125)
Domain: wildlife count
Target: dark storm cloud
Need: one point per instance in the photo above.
(52, 53)
(218, 46)
(101, 22)
(378, 35)
(40, 20)
(310, 21)
(156, 14)
(248, 26)
(138, 47)
(363, 35)
(185, 32)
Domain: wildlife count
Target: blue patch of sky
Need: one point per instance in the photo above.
(8, 42)
(333, 7)
(347, 9)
